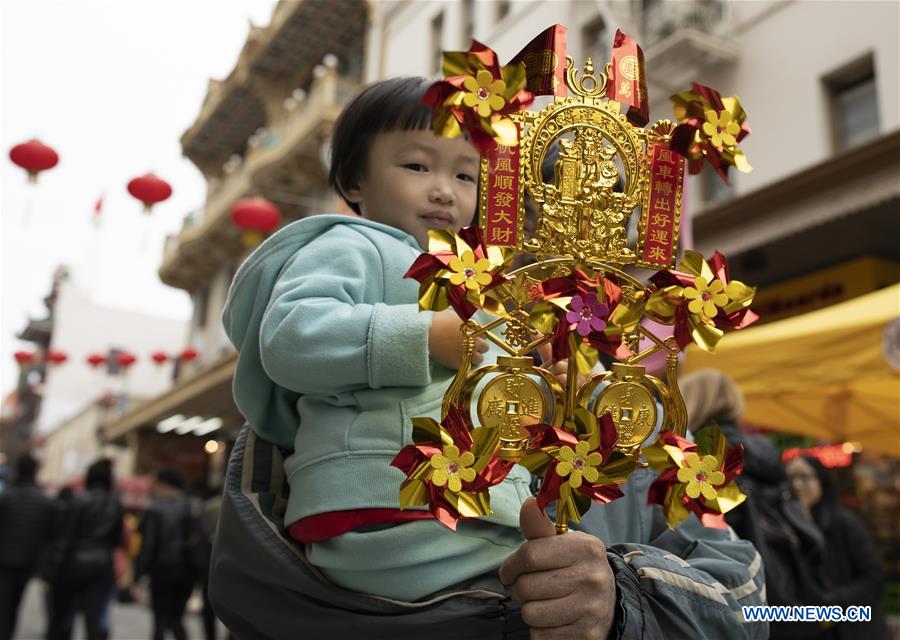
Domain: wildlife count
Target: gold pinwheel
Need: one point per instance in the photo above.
(706, 297)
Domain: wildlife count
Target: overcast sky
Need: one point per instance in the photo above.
(111, 86)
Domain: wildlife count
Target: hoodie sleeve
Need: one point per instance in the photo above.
(323, 333)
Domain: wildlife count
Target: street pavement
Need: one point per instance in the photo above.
(128, 621)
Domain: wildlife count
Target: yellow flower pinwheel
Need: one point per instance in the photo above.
(472, 272)
(451, 468)
(721, 128)
(701, 475)
(706, 297)
(484, 92)
(579, 463)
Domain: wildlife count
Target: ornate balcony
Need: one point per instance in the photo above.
(686, 36)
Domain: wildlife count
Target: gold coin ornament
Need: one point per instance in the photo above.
(572, 198)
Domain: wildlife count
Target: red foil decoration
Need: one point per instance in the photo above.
(627, 81)
(159, 357)
(188, 354)
(731, 321)
(57, 357)
(545, 62)
(125, 359)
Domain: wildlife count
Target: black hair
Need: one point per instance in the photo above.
(26, 469)
(389, 105)
(170, 477)
(829, 500)
(99, 475)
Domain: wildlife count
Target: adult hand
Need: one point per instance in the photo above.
(563, 582)
(445, 342)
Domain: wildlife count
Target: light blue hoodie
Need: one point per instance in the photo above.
(332, 364)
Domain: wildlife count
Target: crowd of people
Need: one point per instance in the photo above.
(89, 552)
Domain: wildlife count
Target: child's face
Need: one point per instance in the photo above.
(416, 181)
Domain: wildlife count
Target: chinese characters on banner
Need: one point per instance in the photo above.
(500, 212)
(662, 207)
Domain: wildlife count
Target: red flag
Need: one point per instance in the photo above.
(627, 82)
(545, 62)
(98, 209)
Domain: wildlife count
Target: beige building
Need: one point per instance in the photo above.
(259, 132)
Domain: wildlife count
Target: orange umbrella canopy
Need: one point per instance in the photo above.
(833, 374)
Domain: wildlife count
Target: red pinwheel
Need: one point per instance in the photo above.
(695, 476)
(579, 465)
(33, 156)
(457, 272)
(450, 468)
(149, 189)
(700, 300)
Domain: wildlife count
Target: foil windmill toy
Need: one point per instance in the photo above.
(568, 287)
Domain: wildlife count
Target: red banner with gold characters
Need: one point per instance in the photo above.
(662, 208)
(627, 82)
(545, 62)
(500, 196)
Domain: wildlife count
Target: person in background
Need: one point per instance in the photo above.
(165, 553)
(89, 531)
(850, 567)
(26, 524)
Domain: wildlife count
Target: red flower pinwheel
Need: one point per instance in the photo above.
(476, 94)
(711, 127)
(695, 476)
(700, 300)
(578, 465)
(450, 468)
(562, 313)
(457, 271)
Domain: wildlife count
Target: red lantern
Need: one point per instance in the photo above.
(95, 360)
(159, 357)
(256, 217)
(125, 360)
(23, 357)
(57, 357)
(34, 157)
(188, 354)
(149, 189)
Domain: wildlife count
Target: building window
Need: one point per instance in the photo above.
(502, 7)
(468, 22)
(593, 42)
(854, 104)
(437, 43)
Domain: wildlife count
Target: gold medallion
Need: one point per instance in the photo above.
(633, 411)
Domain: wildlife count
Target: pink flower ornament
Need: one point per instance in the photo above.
(588, 313)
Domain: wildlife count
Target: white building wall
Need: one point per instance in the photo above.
(82, 327)
(786, 49)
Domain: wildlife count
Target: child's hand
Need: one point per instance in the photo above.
(559, 369)
(445, 342)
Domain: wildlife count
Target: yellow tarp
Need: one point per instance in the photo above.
(822, 374)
